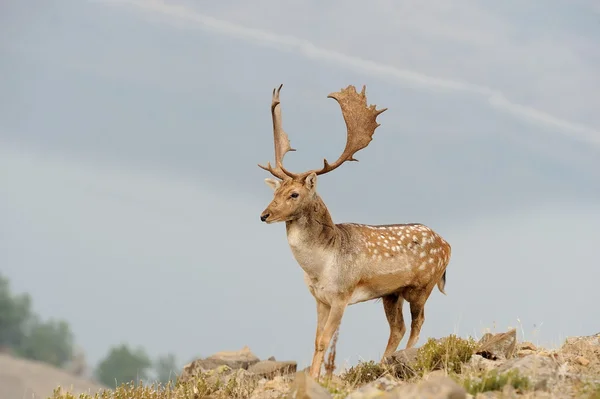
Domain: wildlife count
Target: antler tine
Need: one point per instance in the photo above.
(280, 139)
(360, 125)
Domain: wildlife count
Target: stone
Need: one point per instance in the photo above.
(582, 360)
(305, 387)
(225, 373)
(270, 368)
(435, 387)
(403, 356)
(403, 361)
(271, 389)
(375, 389)
(367, 392)
(541, 370)
(498, 346)
(191, 370)
(241, 359)
(479, 363)
(589, 340)
(526, 349)
(582, 353)
(527, 346)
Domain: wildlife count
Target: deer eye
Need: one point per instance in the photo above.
(294, 195)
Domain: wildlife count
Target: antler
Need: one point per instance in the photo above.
(280, 138)
(361, 122)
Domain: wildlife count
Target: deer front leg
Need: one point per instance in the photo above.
(322, 315)
(323, 340)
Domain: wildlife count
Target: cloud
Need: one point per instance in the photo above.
(493, 97)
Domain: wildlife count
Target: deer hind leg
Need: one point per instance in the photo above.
(417, 299)
(392, 304)
(324, 339)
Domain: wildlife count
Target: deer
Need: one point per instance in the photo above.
(349, 263)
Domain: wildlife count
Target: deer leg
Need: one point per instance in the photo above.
(322, 315)
(333, 322)
(392, 304)
(417, 314)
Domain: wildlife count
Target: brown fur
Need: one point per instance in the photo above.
(348, 263)
(343, 260)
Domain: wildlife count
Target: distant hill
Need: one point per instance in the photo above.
(22, 378)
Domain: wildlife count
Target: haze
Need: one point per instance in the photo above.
(130, 133)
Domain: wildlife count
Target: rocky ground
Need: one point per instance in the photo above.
(497, 366)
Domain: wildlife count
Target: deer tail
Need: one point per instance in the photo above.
(442, 283)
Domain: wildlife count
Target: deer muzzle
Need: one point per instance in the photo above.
(264, 216)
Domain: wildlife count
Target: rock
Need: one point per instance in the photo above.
(526, 349)
(304, 387)
(385, 383)
(271, 389)
(435, 374)
(480, 363)
(590, 340)
(435, 387)
(270, 368)
(403, 356)
(224, 374)
(241, 359)
(498, 346)
(191, 370)
(272, 358)
(375, 389)
(367, 392)
(403, 362)
(541, 370)
(527, 346)
(582, 353)
(582, 360)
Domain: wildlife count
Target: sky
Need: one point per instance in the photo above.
(131, 130)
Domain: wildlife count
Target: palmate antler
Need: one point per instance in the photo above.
(360, 125)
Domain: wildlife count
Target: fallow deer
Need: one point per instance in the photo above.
(348, 263)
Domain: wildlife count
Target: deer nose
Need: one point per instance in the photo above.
(264, 217)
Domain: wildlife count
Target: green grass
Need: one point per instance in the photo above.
(494, 381)
(590, 391)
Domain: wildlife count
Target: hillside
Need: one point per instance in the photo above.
(496, 366)
(22, 378)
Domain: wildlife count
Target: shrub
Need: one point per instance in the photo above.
(449, 353)
(364, 372)
(494, 381)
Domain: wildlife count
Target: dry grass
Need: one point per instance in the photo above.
(213, 385)
(449, 354)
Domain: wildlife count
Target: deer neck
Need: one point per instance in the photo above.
(313, 237)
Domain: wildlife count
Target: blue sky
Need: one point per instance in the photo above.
(130, 133)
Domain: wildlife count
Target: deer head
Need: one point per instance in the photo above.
(294, 192)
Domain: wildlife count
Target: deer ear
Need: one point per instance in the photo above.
(274, 184)
(311, 182)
